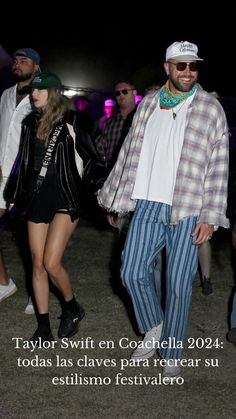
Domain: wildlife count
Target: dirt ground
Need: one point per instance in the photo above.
(90, 376)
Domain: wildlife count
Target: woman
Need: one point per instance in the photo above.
(53, 196)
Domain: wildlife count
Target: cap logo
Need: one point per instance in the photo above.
(187, 47)
(37, 79)
(46, 81)
(182, 50)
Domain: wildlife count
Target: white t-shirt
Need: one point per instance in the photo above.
(160, 154)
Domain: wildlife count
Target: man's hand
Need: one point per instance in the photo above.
(203, 232)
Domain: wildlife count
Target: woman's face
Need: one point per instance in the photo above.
(40, 98)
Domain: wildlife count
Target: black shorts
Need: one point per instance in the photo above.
(47, 202)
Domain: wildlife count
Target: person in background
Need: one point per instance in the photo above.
(109, 142)
(109, 110)
(85, 120)
(7, 286)
(231, 335)
(204, 257)
(173, 174)
(53, 213)
(14, 106)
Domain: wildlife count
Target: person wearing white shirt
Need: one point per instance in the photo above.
(14, 106)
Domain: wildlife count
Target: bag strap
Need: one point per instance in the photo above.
(48, 155)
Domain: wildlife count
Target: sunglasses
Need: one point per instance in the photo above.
(123, 91)
(182, 66)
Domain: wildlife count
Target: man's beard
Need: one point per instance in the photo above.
(22, 77)
(179, 86)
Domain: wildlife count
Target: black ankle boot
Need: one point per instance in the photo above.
(70, 321)
(41, 335)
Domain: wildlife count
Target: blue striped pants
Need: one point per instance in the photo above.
(149, 232)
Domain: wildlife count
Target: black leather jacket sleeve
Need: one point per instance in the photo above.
(84, 144)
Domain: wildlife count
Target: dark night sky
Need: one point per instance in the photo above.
(90, 50)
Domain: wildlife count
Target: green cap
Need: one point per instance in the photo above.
(45, 81)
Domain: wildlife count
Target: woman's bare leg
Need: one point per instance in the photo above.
(59, 233)
(37, 240)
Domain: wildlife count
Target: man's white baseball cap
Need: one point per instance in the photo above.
(182, 51)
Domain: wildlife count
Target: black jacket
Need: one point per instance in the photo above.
(63, 159)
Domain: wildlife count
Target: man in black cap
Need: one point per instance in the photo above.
(14, 106)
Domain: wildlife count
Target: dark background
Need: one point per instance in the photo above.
(92, 46)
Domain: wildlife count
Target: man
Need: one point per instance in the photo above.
(110, 140)
(172, 169)
(14, 106)
(115, 129)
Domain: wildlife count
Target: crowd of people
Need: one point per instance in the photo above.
(165, 159)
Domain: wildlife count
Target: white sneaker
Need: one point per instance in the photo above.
(147, 347)
(172, 369)
(7, 290)
(29, 309)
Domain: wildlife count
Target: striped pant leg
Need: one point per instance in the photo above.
(182, 262)
(145, 240)
(233, 313)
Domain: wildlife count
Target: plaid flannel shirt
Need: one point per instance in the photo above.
(202, 174)
(107, 141)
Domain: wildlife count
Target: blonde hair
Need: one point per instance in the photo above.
(57, 107)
